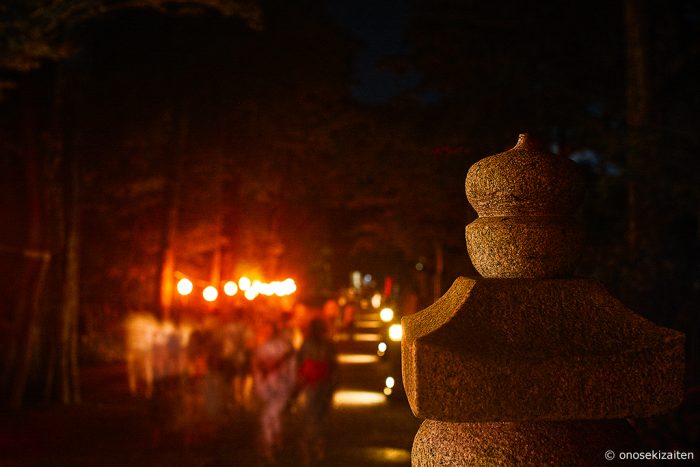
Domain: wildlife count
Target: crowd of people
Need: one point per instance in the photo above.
(261, 361)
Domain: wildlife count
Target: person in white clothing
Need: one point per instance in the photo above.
(274, 380)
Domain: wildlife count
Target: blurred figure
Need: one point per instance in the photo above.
(167, 374)
(274, 380)
(204, 389)
(348, 318)
(331, 313)
(140, 331)
(317, 373)
(237, 348)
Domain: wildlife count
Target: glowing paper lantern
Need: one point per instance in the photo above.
(230, 288)
(210, 293)
(184, 286)
(244, 283)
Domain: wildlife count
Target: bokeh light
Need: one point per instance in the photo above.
(395, 332)
(230, 288)
(386, 315)
(184, 287)
(244, 283)
(210, 293)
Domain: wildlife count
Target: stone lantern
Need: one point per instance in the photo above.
(527, 365)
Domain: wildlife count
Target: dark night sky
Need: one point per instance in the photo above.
(379, 27)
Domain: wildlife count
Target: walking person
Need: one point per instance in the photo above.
(274, 380)
(317, 374)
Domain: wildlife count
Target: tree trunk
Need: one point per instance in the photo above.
(30, 336)
(62, 198)
(70, 388)
(218, 220)
(33, 276)
(166, 270)
(637, 113)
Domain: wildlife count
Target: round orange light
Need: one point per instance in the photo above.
(251, 293)
(244, 283)
(184, 286)
(210, 293)
(230, 288)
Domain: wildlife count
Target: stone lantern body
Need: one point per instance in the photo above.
(527, 365)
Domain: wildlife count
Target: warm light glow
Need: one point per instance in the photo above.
(244, 283)
(386, 315)
(387, 391)
(356, 279)
(389, 382)
(254, 288)
(385, 455)
(382, 347)
(230, 288)
(184, 286)
(377, 300)
(250, 294)
(395, 332)
(210, 293)
(290, 286)
(265, 289)
(365, 337)
(368, 324)
(355, 398)
(356, 358)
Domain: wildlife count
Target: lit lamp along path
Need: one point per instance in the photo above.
(367, 326)
(353, 397)
(348, 399)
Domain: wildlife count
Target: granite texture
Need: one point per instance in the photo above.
(518, 349)
(524, 181)
(527, 201)
(507, 367)
(537, 444)
(524, 247)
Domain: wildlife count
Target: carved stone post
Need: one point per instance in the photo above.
(527, 365)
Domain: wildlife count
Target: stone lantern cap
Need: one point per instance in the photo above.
(525, 181)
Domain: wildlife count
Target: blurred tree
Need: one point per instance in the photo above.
(47, 317)
(257, 153)
(34, 31)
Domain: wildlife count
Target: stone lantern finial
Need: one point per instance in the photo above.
(528, 366)
(527, 202)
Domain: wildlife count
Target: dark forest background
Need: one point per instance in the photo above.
(144, 139)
